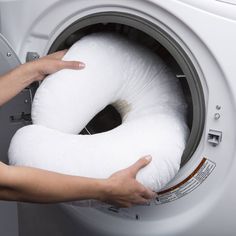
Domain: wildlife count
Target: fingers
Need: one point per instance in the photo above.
(143, 201)
(75, 65)
(57, 55)
(47, 66)
(148, 194)
(137, 201)
(56, 60)
(124, 205)
(127, 191)
(141, 163)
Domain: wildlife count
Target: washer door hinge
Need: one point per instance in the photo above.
(32, 56)
(20, 110)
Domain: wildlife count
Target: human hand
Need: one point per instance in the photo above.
(123, 190)
(49, 64)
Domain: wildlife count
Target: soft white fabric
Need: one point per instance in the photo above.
(137, 83)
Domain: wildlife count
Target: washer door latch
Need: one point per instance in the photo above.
(214, 137)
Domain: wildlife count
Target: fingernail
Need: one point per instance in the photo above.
(149, 158)
(81, 65)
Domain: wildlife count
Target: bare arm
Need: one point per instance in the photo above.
(16, 80)
(36, 185)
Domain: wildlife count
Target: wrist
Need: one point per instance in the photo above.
(28, 73)
(103, 190)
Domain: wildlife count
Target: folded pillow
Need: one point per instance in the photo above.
(137, 83)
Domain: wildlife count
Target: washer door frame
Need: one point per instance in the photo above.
(181, 57)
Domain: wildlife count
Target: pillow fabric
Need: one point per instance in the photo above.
(137, 83)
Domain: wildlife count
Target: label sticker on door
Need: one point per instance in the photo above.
(203, 170)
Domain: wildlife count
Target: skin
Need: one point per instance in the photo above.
(35, 185)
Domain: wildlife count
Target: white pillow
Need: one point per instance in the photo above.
(139, 85)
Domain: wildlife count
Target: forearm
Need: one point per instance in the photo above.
(35, 185)
(15, 81)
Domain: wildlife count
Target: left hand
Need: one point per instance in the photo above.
(19, 78)
(49, 64)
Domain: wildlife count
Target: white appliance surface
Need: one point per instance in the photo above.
(201, 199)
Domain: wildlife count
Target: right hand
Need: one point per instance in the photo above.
(123, 190)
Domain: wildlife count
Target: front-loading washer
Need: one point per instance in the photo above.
(196, 38)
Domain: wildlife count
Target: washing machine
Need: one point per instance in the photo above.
(197, 40)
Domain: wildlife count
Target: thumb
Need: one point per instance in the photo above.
(141, 163)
